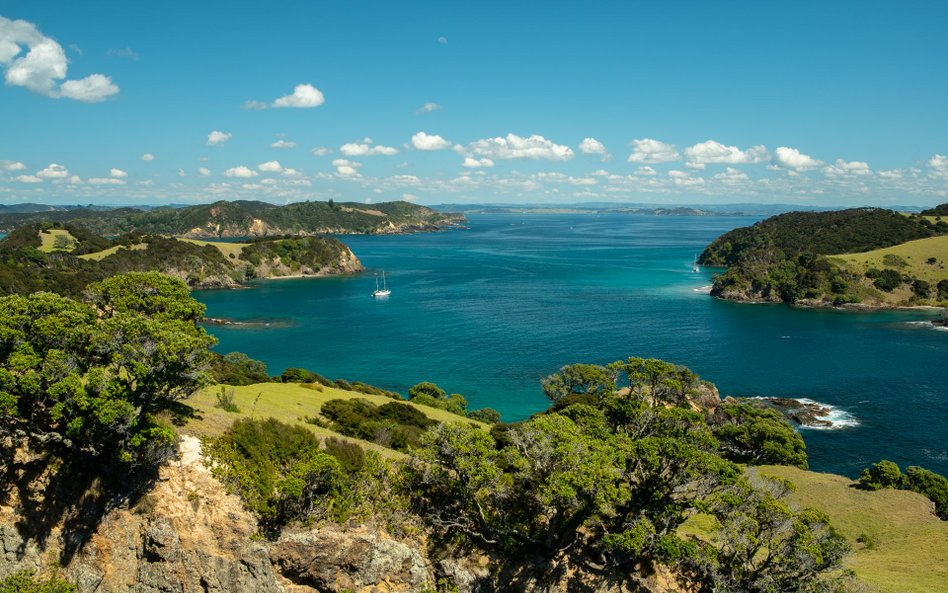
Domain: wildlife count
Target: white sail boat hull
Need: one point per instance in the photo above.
(383, 291)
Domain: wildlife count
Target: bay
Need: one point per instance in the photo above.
(488, 311)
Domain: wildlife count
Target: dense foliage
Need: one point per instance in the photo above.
(242, 218)
(886, 474)
(86, 380)
(939, 210)
(757, 435)
(236, 368)
(394, 425)
(429, 394)
(782, 258)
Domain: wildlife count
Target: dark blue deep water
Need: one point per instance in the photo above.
(488, 311)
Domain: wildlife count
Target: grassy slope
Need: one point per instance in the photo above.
(288, 402)
(910, 552)
(224, 247)
(100, 255)
(915, 253)
(49, 237)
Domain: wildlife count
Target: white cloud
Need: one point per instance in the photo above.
(443, 40)
(711, 152)
(291, 172)
(423, 141)
(365, 148)
(270, 167)
(181, 173)
(118, 173)
(44, 65)
(53, 171)
(473, 162)
(204, 172)
(254, 105)
(123, 52)
(320, 151)
(731, 175)
(346, 168)
(304, 95)
(28, 179)
(283, 144)
(513, 146)
(12, 165)
(240, 171)
(409, 197)
(217, 138)
(427, 108)
(148, 157)
(105, 181)
(593, 146)
(646, 170)
(939, 163)
(681, 178)
(843, 168)
(649, 151)
(791, 158)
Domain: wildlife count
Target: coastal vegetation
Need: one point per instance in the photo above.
(242, 218)
(869, 256)
(27, 266)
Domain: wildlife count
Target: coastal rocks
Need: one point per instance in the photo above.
(799, 411)
(331, 559)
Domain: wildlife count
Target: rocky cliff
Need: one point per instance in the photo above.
(187, 535)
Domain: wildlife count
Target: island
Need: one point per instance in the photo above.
(866, 258)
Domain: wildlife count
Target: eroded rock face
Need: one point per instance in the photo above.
(336, 560)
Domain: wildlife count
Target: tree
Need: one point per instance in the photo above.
(426, 388)
(930, 484)
(579, 379)
(89, 379)
(884, 474)
(751, 434)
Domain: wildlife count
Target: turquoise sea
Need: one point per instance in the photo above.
(486, 312)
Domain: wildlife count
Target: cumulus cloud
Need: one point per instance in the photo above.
(105, 181)
(270, 167)
(593, 146)
(181, 173)
(939, 163)
(843, 168)
(427, 108)
(646, 170)
(346, 168)
(217, 138)
(204, 172)
(240, 171)
(320, 151)
(118, 173)
(711, 152)
(365, 148)
(423, 141)
(148, 157)
(791, 158)
(513, 146)
(43, 67)
(254, 105)
(283, 144)
(28, 179)
(648, 151)
(53, 171)
(12, 166)
(473, 162)
(304, 96)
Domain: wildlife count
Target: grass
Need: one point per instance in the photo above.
(224, 247)
(290, 403)
(100, 255)
(49, 237)
(914, 253)
(908, 544)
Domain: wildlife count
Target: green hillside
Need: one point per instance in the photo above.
(244, 218)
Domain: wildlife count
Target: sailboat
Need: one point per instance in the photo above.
(383, 291)
(694, 265)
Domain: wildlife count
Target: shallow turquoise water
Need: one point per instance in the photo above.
(488, 311)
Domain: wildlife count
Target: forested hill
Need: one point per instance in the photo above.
(248, 219)
(785, 258)
(940, 210)
(67, 258)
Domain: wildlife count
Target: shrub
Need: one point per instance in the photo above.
(921, 288)
(485, 415)
(890, 259)
(294, 375)
(888, 280)
(930, 484)
(236, 368)
(884, 474)
(25, 582)
(349, 455)
(426, 388)
(225, 400)
(752, 434)
(394, 425)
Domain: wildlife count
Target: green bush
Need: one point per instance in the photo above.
(225, 400)
(930, 484)
(349, 455)
(236, 368)
(884, 474)
(294, 375)
(485, 415)
(394, 425)
(426, 388)
(25, 582)
(758, 435)
(888, 280)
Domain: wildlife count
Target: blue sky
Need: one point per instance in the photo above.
(829, 103)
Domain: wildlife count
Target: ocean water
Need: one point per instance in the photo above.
(488, 311)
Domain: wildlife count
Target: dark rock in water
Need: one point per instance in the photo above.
(802, 413)
(943, 322)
